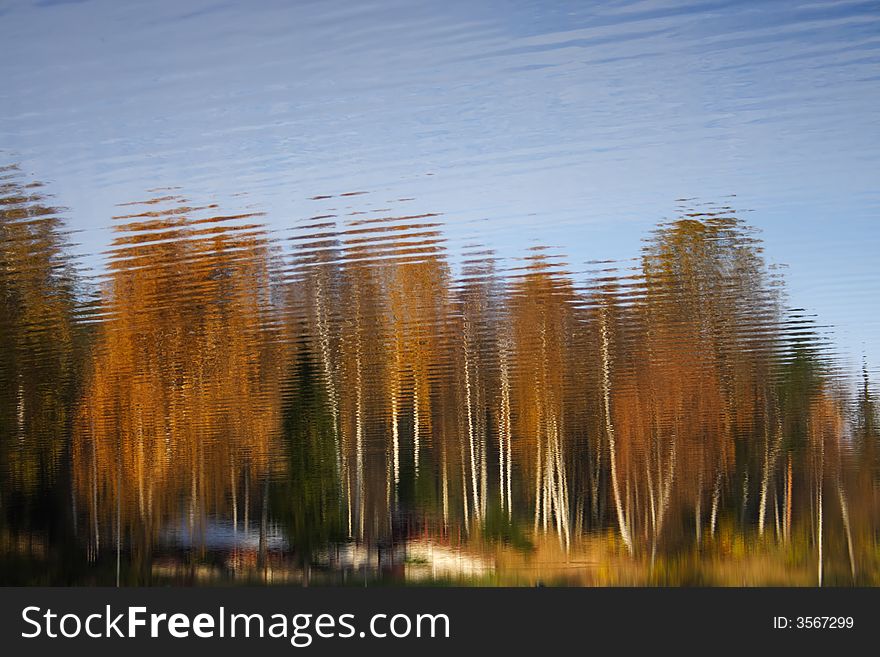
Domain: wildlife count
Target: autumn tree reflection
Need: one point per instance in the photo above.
(180, 413)
(318, 400)
(41, 347)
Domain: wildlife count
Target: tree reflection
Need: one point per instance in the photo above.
(181, 406)
(42, 342)
(247, 404)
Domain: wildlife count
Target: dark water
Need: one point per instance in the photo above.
(438, 363)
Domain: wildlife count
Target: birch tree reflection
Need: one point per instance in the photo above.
(181, 406)
(306, 403)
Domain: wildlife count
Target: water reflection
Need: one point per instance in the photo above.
(180, 408)
(352, 400)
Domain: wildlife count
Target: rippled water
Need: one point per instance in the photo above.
(498, 294)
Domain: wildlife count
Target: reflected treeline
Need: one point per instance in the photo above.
(180, 407)
(41, 350)
(253, 403)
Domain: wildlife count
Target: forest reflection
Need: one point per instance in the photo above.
(351, 400)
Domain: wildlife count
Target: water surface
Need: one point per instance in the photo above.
(503, 294)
